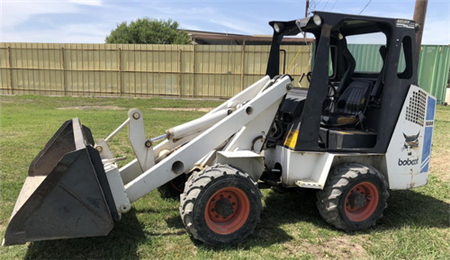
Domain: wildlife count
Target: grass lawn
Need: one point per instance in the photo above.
(416, 224)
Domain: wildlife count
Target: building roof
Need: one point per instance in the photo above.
(215, 38)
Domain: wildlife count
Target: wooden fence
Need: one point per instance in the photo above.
(218, 71)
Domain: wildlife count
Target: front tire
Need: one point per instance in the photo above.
(220, 205)
(354, 197)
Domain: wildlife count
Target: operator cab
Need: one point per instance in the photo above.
(353, 99)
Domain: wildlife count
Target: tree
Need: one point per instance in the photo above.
(148, 31)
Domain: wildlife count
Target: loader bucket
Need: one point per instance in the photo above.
(66, 193)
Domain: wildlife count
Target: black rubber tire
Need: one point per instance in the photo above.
(201, 189)
(173, 188)
(332, 200)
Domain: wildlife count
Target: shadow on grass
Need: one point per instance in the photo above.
(411, 208)
(405, 208)
(121, 243)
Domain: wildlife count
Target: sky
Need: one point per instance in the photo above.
(90, 21)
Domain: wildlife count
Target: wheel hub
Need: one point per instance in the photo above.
(227, 210)
(357, 200)
(224, 208)
(361, 202)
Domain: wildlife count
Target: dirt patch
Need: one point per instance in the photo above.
(200, 109)
(440, 164)
(343, 248)
(335, 248)
(440, 153)
(94, 107)
(12, 100)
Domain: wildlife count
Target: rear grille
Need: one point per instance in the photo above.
(415, 111)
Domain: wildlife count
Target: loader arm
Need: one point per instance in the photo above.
(135, 168)
(75, 188)
(244, 109)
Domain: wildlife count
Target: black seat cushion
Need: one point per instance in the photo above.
(349, 105)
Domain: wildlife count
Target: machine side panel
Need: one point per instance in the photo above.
(408, 154)
(311, 169)
(429, 125)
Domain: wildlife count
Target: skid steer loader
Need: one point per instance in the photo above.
(353, 135)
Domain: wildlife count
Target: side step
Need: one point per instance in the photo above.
(308, 183)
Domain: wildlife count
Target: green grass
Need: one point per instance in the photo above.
(416, 224)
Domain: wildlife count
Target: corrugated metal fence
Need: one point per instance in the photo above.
(433, 70)
(434, 66)
(138, 70)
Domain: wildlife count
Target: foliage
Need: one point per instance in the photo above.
(148, 31)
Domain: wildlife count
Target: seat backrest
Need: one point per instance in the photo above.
(350, 64)
(378, 87)
(354, 98)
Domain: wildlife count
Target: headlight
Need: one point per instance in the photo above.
(278, 27)
(317, 20)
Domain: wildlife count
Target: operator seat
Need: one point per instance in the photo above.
(350, 105)
(352, 98)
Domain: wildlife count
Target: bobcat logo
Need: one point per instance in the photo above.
(411, 142)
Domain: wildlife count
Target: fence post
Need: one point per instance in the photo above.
(242, 65)
(193, 71)
(63, 67)
(180, 68)
(10, 71)
(120, 84)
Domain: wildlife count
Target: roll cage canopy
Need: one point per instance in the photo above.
(389, 85)
(351, 24)
(337, 26)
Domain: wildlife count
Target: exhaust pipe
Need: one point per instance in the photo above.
(66, 193)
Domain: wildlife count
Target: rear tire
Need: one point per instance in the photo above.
(354, 197)
(220, 205)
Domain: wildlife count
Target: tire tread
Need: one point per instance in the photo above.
(341, 176)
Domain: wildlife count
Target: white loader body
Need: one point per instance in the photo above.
(405, 164)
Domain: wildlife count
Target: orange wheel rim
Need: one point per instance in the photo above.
(227, 210)
(172, 183)
(361, 202)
